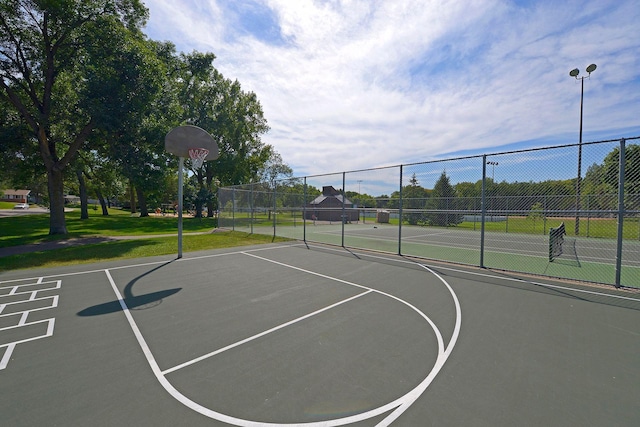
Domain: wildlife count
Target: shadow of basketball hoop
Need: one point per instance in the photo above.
(132, 302)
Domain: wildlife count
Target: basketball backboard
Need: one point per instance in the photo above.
(179, 140)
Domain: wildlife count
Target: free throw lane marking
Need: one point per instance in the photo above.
(397, 406)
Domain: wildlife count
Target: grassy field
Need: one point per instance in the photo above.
(589, 227)
(7, 205)
(34, 228)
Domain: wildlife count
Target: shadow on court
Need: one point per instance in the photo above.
(133, 302)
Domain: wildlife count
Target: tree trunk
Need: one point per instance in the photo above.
(57, 222)
(198, 212)
(132, 197)
(84, 210)
(103, 202)
(143, 201)
(209, 181)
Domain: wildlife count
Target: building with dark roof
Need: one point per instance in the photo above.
(329, 207)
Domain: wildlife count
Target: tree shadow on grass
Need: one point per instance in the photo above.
(130, 301)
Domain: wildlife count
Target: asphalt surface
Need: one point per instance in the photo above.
(287, 334)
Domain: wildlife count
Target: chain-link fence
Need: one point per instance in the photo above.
(496, 211)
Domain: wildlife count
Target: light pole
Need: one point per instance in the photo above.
(493, 182)
(574, 73)
(493, 169)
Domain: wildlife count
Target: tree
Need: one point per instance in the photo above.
(67, 68)
(233, 117)
(104, 181)
(414, 199)
(611, 172)
(273, 170)
(536, 213)
(442, 202)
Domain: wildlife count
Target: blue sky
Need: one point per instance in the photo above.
(354, 84)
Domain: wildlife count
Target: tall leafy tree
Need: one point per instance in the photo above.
(69, 67)
(273, 171)
(414, 199)
(442, 200)
(137, 146)
(231, 115)
(611, 173)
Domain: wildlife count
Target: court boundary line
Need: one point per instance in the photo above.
(462, 246)
(487, 275)
(360, 251)
(143, 264)
(474, 248)
(398, 406)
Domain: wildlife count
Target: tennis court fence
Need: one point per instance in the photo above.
(492, 210)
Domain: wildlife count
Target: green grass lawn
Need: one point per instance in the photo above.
(8, 205)
(34, 228)
(589, 227)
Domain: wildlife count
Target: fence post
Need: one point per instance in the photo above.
(400, 216)
(343, 218)
(233, 209)
(218, 194)
(621, 179)
(588, 213)
(506, 222)
(304, 211)
(275, 204)
(251, 204)
(483, 208)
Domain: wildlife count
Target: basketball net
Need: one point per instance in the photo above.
(197, 156)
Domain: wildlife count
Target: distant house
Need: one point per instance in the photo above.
(328, 207)
(15, 196)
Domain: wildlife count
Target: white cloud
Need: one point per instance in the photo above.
(360, 83)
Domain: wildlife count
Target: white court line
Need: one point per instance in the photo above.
(311, 244)
(417, 392)
(261, 334)
(487, 275)
(144, 264)
(7, 355)
(12, 345)
(398, 406)
(407, 400)
(53, 298)
(493, 246)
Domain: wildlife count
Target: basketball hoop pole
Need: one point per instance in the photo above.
(192, 141)
(180, 184)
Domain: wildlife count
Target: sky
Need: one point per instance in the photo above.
(354, 84)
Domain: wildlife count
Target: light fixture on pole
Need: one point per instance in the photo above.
(493, 173)
(493, 169)
(574, 73)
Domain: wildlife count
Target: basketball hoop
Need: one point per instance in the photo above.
(197, 156)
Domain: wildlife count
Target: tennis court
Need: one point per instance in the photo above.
(586, 259)
(306, 334)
